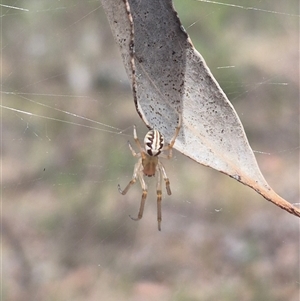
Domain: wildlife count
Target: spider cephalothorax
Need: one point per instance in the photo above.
(148, 164)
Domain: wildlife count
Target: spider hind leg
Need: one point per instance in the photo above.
(143, 199)
(141, 211)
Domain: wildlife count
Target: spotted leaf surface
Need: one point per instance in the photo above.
(169, 77)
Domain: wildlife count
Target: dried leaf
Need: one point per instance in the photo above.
(169, 77)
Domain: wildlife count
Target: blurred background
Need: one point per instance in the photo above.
(67, 114)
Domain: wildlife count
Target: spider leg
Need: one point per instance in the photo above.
(134, 154)
(137, 167)
(143, 199)
(172, 142)
(159, 196)
(165, 177)
(136, 139)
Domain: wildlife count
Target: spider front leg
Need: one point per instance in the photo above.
(169, 147)
(136, 139)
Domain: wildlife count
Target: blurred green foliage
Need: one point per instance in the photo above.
(64, 218)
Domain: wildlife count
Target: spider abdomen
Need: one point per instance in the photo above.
(154, 143)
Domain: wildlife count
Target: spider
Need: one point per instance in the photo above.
(149, 163)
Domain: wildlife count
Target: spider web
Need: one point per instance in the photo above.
(66, 115)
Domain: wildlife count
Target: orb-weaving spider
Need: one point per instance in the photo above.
(149, 163)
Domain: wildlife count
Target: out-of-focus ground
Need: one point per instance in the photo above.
(66, 234)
